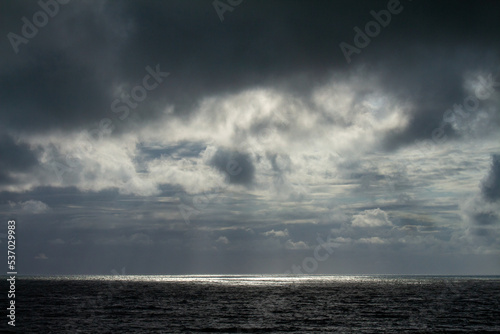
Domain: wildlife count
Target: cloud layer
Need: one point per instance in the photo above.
(238, 144)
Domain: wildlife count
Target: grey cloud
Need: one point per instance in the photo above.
(486, 218)
(237, 166)
(14, 158)
(180, 150)
(431, 96)
(276, 234)
(65, 79)
(280, 163)
(490, 187)
(31, 206)
(482, 212)
(111, 44)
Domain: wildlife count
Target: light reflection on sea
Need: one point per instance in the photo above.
(263, 279)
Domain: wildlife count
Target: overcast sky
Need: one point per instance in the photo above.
(184, 137)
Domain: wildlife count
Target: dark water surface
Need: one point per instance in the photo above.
(256, 304)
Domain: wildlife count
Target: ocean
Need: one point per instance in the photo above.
(256, 304)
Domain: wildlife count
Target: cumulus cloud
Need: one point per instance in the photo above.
(372, 240)
(276, 234)
(371, 218)
(222, 240)
(31, 206)
(289, 244)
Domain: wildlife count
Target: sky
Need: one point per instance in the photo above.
(242, 137)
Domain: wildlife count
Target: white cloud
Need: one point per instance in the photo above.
(308, 136)
(289, 244)
(372, 240)
(30, 206)
(309, 132)
(222, 240)
(371, 218)
(342, 240)
(276, 234)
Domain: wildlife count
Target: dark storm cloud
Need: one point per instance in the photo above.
(237, 166)
(486, 218)
(55, 93)
(65, 76)
(432, 80)
(490, 187)
(15, 158)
